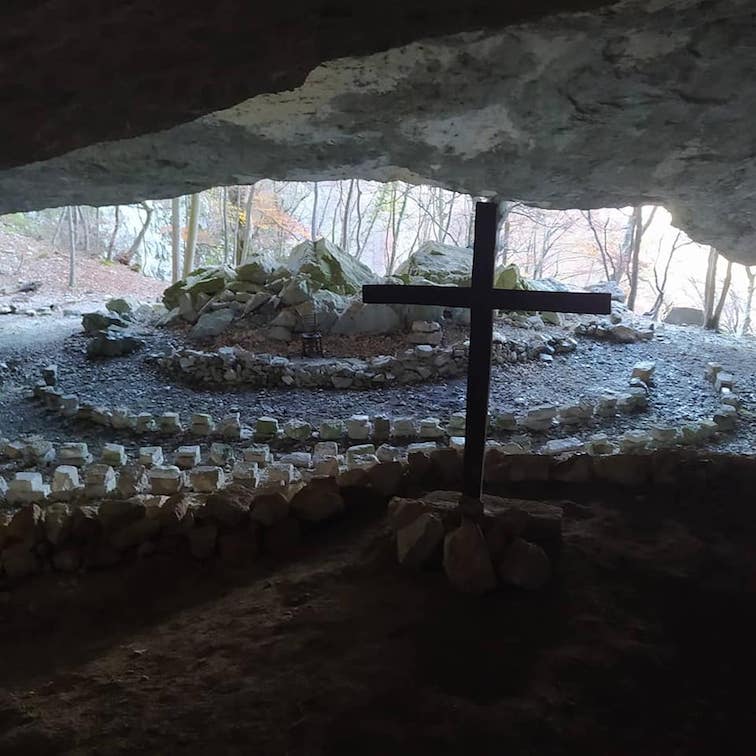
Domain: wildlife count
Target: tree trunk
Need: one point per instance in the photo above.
(134, 248)
(248, 221)
(713, 323)
(116, 222)
(191, 238)
(224, 212)
(347, 213)
(176, 238)
(72, 254)
(710, 286)
(85, 227)
(751, 273)
(314, 221)
(58, 225)
(635, 259)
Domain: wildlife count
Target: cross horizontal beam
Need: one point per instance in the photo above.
(495, 299)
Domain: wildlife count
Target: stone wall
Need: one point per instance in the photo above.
(234, 365)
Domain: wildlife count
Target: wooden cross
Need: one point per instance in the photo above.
(482, 299)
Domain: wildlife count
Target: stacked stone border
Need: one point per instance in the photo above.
(239, 524)
(424, 363)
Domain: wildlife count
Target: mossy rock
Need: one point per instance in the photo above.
(328, 267)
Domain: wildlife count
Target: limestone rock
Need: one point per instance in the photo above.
(211, 324)
(207, 479)
(467, 562)
(165, 480)
(328, 267)
(92, 322)
(418, 540)
(525, 565)
(367, 319)
(113, 343)
(318, 500)
(439, 263)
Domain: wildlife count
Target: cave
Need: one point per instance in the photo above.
(179, 613)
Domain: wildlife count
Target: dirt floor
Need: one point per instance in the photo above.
(642, 645)
(680, 393)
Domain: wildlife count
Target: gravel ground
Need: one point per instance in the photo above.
(680, 392)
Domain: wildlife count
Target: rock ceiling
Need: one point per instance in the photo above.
(600, 105)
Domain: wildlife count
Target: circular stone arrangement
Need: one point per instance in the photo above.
(234, 365)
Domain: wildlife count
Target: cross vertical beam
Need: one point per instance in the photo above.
(479, 353)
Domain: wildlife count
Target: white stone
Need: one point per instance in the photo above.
(299, 430)
(246, 471)
(331, 430)
(3, 488)
(634, 441)
(425, 326)
(417, 541)
(563, 446)
(387, 453)
(101, 480)
(430, 427)
(113, 454)
(122, 419)
(202, 424)
(724, 380)
(69, 405)
(266, 427)
(644, 370)
(65, 478)
(26, 488)
(711, 371)
(279, 472)
(325, 450)
(404, 427)
(358, 451)
(165, 480)
(170, 422)
(298, 459)
(145, 422)
(221, 454)
(457, 443)
(726, 417)
(150, 456)
(327, 466)
(606, 406)
(74, 454)
(456, 425)
(258, 453)
(188, 457)
(424, 447)
(358, 427)
(362, 461)
(207, 479)
(664, 435)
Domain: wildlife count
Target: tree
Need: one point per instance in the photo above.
(713, 323)
(127, 257)
(751, 274)
(191, 238)
(710, 286)
(314, 224)
(111, 245)
(639, 228)
(661, 277)
(72, 254)
(394, 225)
(175, 239)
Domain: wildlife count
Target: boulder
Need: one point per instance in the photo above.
(121, 306)
(113, 343)
(211, 324)
(361, 318)
(93, 322)
(418, 540)
(467, 561)
(317, 501)
(509, 277)
(525, 565)
(328, 267)
(439, 264)
(255, 269)
(208, 281)
(685, 316)
(608, 287)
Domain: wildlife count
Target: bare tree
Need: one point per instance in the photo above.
(191, 238)
(314, 223)
(346, 216)
(710, 286)
(712, 323)
(751, 274)
(72, 253)
(248, 221)
(393, 228)
(176, 239)
(128, 256)
(224, 213)
(639, 228)
(661, 276)
(116, 223)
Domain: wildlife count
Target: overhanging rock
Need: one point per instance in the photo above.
(639, 102)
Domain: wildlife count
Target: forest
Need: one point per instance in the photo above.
(381, 224)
